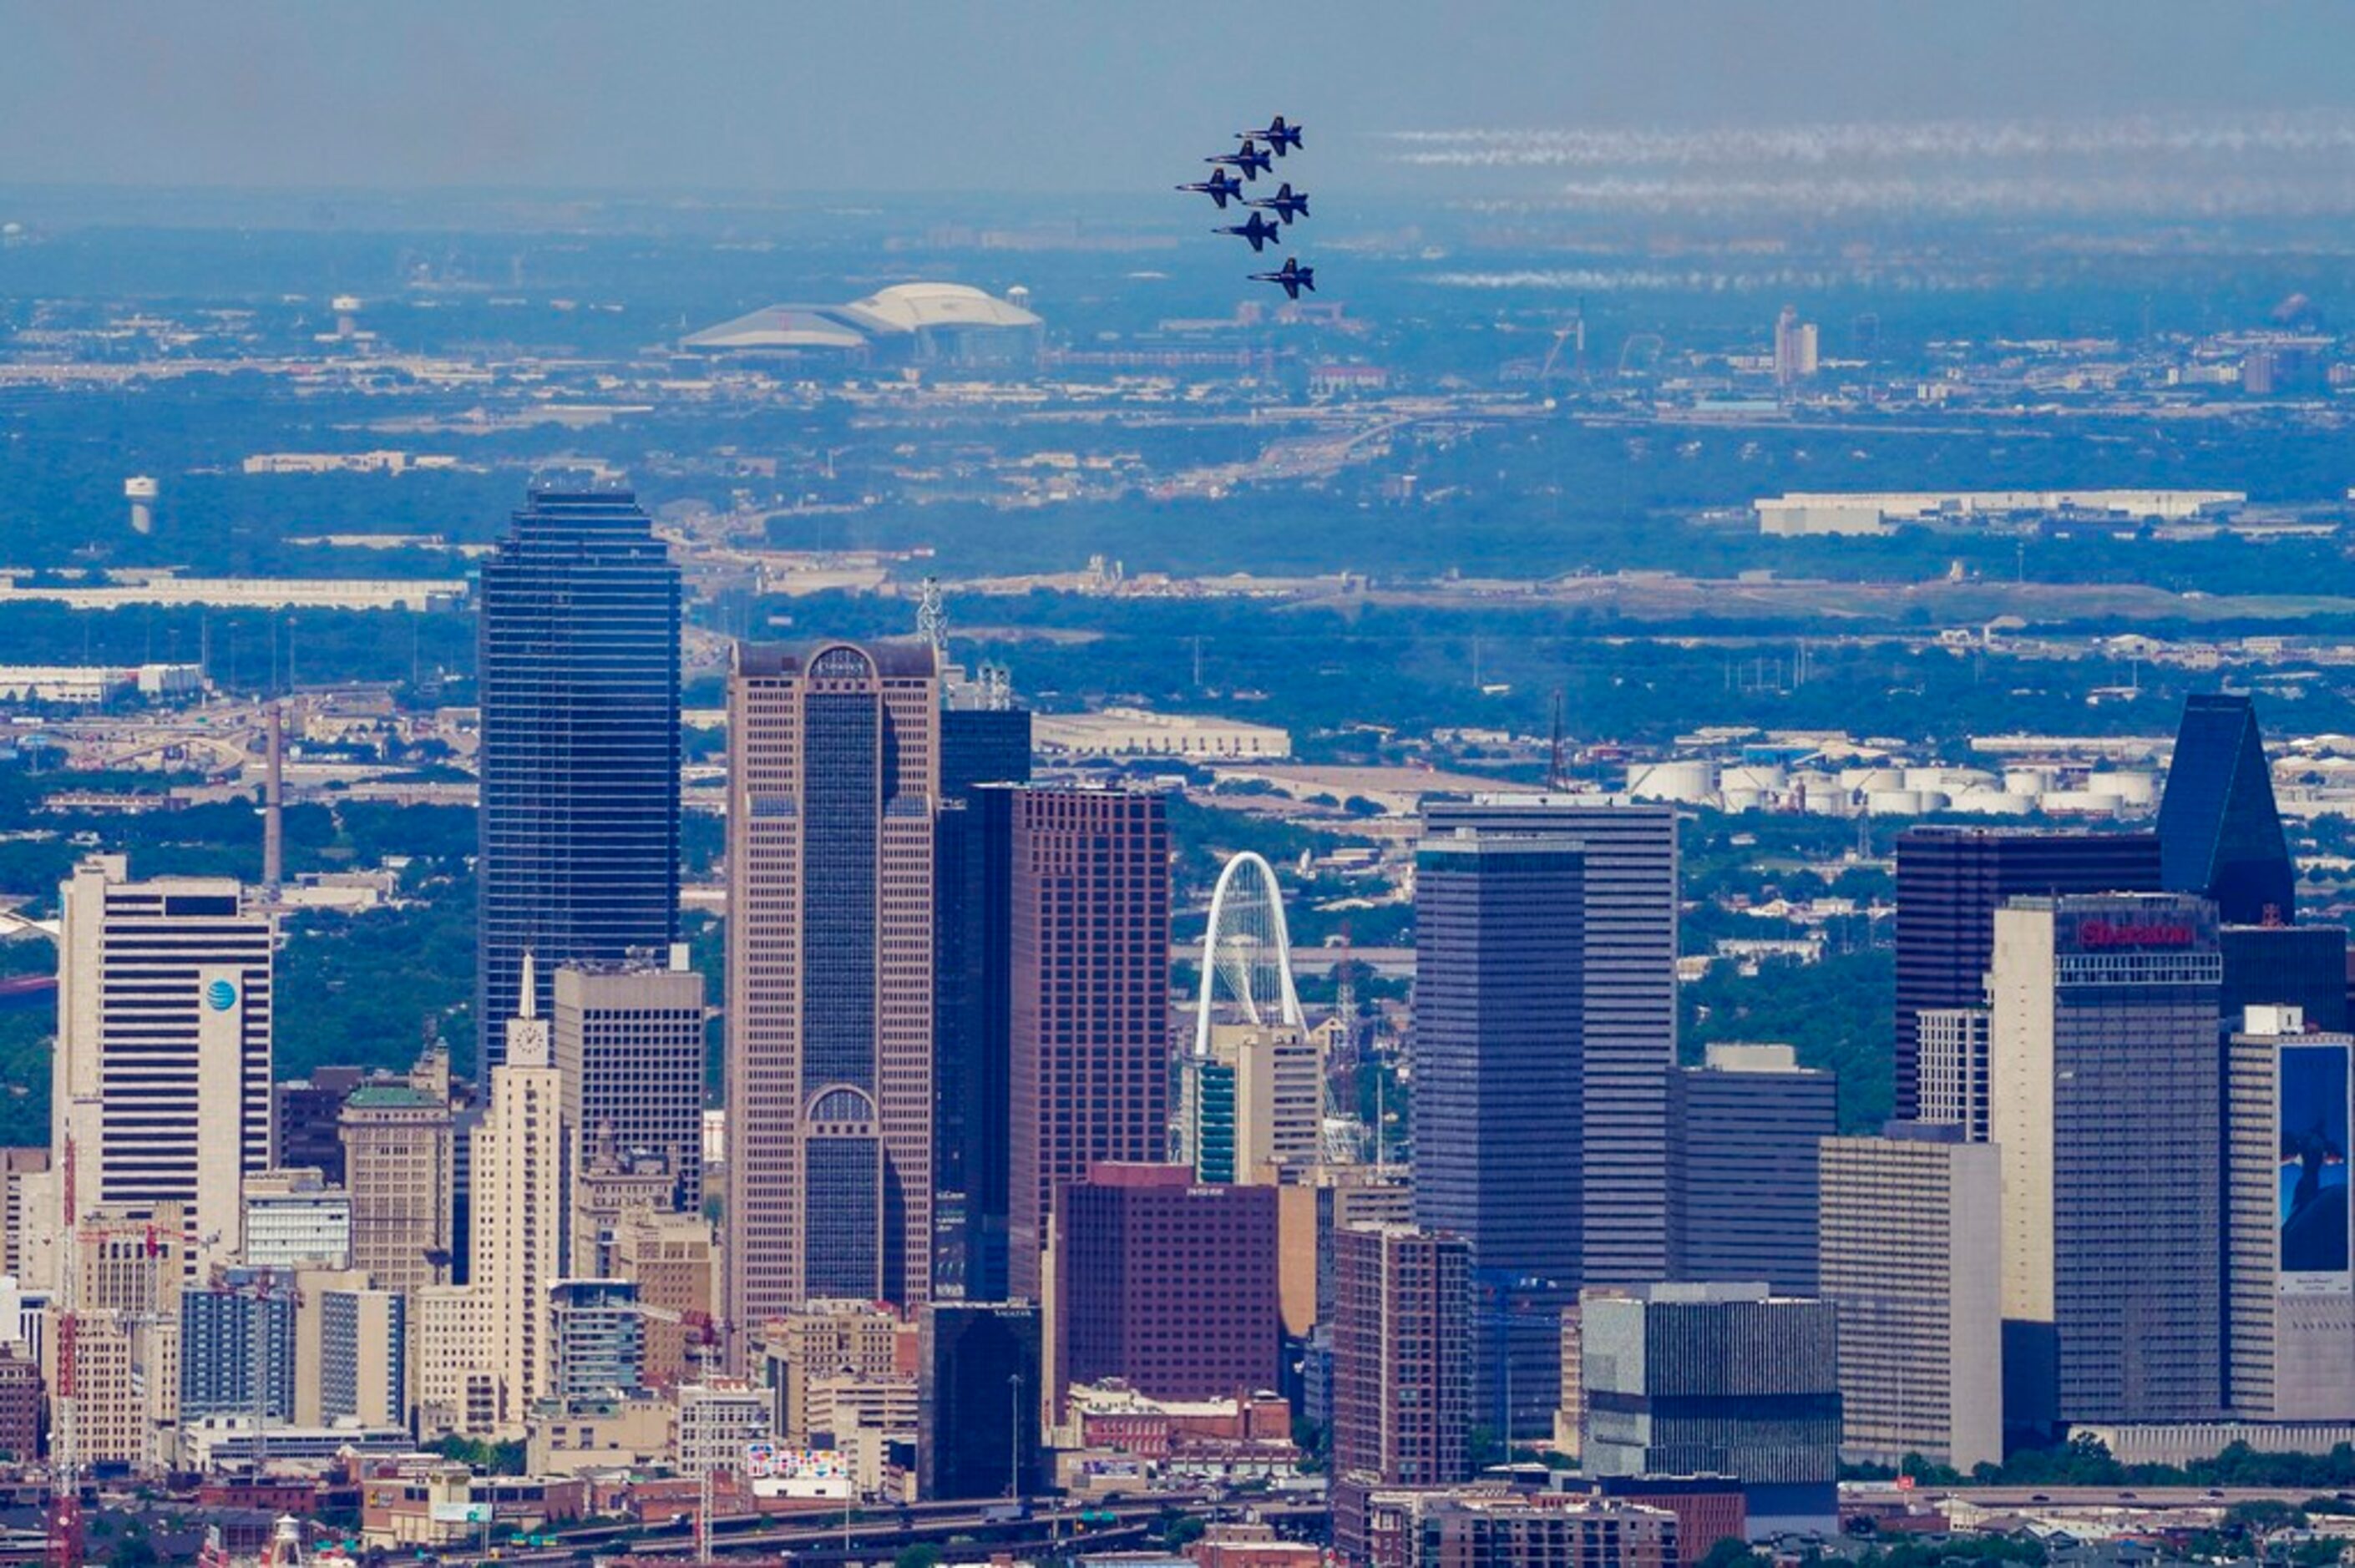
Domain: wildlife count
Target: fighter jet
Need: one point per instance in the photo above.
(1217, 187)
(1259, 230)
(1250, 159)
(1283, 204)
(1277, 135)
(1293, 277)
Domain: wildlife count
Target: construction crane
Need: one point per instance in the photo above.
(65, 1524)
(1574, 331)
(1342, 1143)
(1555, 775)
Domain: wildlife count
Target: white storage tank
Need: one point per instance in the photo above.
(1993, 803)
(1870, 778)
(1808, 788)
(1831, 803)
(2077, 803)
(1692, 783)
(2029, 782)
(2135, 789)
(1763, 778)
(1896, 803)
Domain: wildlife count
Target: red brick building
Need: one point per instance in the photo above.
(1165, 1284)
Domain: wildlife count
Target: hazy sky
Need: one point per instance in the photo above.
(1033, 95)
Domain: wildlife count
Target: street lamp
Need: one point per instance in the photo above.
(1014, 1449)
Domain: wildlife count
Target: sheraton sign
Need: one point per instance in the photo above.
(2134, 934)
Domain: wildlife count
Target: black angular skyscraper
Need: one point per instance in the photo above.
(1950, 882)
(2219, 832)
(580, 747)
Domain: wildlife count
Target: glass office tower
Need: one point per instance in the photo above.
(579, 657)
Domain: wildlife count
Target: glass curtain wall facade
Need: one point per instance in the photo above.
(580, 661)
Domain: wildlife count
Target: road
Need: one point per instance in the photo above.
(819, 1538)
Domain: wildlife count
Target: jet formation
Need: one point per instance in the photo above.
(1231, 176)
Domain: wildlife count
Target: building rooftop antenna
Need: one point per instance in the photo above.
(1554, 754)
(933, 618)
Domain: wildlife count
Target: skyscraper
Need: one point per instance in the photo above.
(307, 1113)
(521, 1204)
(628, 1041)
(972, 1002)
(1254, 1108)
(161, 1076)
(834, 777)
(1500, 927)
(672, 1259)
(1951, 1069)
(1721, 1379)
(1912, 1262)
(1628, 1010)
(1402, 1368)
(1743, 1169)
(1252, 1098)
(579, 648)
(364, 1357)
(237, 1348)
(2219, 832)
(1090, 947)
(983, 746)
(597, 1340)
(2106, 1101)
(397, 1162)
(1950, 882)
(2303, 967)
(977, 1399)
(1165, 1283)
(2290, 1261)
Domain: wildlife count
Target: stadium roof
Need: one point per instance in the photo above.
(900, 311)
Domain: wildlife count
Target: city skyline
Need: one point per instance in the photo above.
(782, 825)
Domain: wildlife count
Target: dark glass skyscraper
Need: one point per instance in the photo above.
(2219, 832)
(1950, 882)
(983, 746)
(2297, 966)
(1500, 926)
(977, 1400)
(580, 747)
(972, 993)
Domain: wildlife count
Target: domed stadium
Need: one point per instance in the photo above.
(920, 323)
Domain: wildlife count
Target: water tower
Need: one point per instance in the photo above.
(140, 491)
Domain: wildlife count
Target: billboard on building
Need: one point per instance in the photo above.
(776, 1471)
(2313, 1186)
